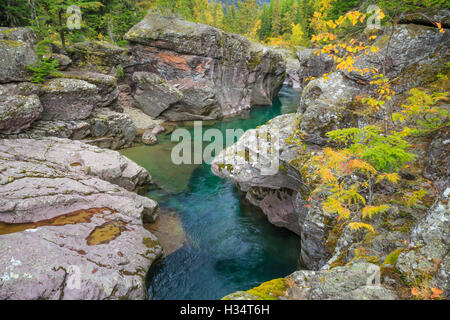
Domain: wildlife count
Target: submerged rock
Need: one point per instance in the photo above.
(68, 229)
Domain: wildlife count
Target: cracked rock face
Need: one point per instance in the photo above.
(69, 227)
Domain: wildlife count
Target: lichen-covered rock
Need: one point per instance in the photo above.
(427, 253)
(411, 56)
(292, 68)
(16, 53)
(18, 112)
(96, 56)
(324, 106)
(110, 129)
(438, 164)
(404, 46)
(153, 94)
(68, 99)
(271, 290)
(219, 74)
(427, 17)
(108, 93)
(63, 61)
(68, 231)
(148, 137)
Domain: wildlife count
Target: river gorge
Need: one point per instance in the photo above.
(230, 244)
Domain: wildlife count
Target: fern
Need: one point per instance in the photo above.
(386, 153)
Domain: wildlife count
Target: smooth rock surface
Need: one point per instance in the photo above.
(83, 237)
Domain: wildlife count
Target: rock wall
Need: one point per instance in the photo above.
(218, 74)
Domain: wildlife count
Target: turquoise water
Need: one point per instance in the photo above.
(230, 244)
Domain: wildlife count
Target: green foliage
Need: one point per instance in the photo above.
(384, 152)
(422, 107)
(43, 70)
(407, 6)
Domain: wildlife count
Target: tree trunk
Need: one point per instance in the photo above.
(61, 30)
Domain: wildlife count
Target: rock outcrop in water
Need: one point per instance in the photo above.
(70, 228)
(217, 74)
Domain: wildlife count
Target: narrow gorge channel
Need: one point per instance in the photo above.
(229, 244)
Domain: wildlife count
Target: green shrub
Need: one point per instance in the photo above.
(44, 69)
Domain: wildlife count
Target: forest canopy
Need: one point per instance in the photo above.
(278, 22)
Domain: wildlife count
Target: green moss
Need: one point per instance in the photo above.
(270, 290)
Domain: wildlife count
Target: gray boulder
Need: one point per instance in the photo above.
(68, 99)
(148, 137)
(68, 228)
(312, 65)
(96, 56)
(108, 94)
(405, 45)
(105, 128)
(153, 94)
(427, 254)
